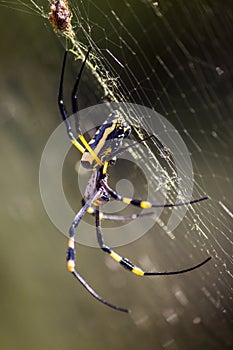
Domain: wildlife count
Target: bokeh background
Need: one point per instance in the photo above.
(41, 305)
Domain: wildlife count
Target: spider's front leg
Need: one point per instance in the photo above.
(65, 115)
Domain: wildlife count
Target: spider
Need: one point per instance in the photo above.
(97, 155)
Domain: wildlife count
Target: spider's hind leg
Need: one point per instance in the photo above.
(127, 264)
(71, 255)
(123, 261)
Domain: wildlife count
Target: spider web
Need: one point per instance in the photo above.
(176, 58)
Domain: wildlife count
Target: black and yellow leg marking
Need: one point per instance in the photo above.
(127, 264)
(123, 261)
(71, 240)
(71, 254)
(145, 204)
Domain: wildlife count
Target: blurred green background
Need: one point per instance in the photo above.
(42, 307)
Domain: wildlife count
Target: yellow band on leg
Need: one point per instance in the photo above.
(115, 256)
(78, 146)
(105, 167)
(126, 200)
(145, 205)
(137, 271)
(70, 265)
(71, 243)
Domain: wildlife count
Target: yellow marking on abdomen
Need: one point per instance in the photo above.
(94, 152)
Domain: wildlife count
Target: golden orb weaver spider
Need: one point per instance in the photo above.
(97, 154)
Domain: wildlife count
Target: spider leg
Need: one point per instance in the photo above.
(145, 204)
(103, 216)
(64, 113)
(63, 110)
(74, 98)
(127, 264)
(123, 261)
(95, 295)
(71, 254)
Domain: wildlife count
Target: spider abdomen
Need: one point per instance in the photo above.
(107, 140)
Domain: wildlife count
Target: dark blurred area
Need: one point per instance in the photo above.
(42, 307)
